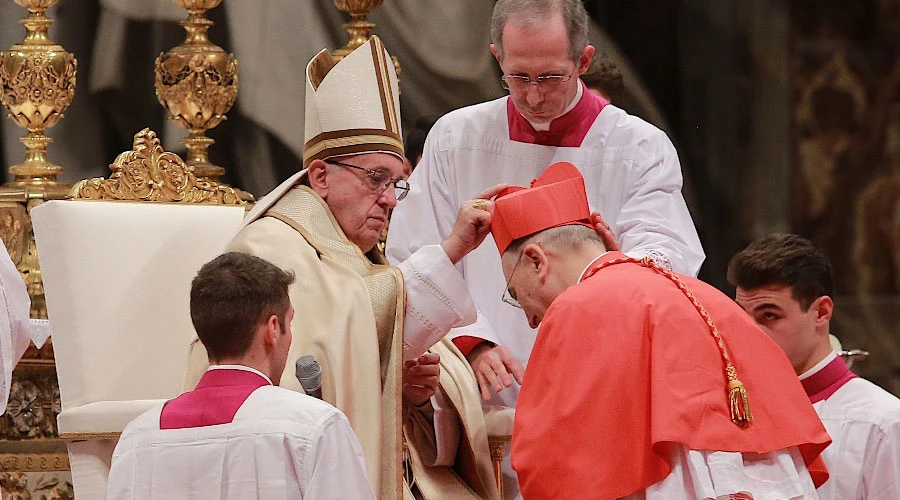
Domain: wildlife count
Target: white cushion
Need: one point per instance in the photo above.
(117, 280)
(103, 416)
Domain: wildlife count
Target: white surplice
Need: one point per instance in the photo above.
(281, 445)
(719, 475)
(632, 176)
(864, 458)
(334, 318)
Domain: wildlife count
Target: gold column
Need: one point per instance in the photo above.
(37, 78)
(197, 83)
(37, 83)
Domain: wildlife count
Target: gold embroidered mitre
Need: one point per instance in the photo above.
(352, 106)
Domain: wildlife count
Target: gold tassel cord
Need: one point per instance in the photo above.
(738, 402)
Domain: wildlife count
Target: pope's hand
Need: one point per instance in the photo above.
(473, 223)
(606, 234)
(492, 366)
(421, 377)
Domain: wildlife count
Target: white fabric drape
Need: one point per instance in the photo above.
(15, 327)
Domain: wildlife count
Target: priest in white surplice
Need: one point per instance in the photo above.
(630, 167)
(358, 316)
(236, 435)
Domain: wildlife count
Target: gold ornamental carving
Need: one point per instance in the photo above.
(42, 484)
(197, 83)
(147, 173)
(14, 224)
(497, 446)
(22, 462)
(37, 84)
(358, 28)
(18, 237)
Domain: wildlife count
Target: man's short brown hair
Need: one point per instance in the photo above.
(605, 76)
(231, 296)
(784, 259)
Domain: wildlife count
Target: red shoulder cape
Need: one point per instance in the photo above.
(624, 366)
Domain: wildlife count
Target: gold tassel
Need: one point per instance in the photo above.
(740, 405)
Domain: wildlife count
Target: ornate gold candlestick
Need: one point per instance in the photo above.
(37, 78)
(358, 29)
(197, 83)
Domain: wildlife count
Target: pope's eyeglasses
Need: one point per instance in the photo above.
(379, 179)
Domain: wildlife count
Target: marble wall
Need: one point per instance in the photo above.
(845, 176)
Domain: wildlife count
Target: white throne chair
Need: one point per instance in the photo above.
(117, 279)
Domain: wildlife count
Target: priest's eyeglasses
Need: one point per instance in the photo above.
(379, 179)
(508, 297)
(546, 83)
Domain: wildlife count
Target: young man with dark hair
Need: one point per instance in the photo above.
(237, 434)
(230, 296)
(786, 284)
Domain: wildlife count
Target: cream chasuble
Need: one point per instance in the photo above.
(349, 315)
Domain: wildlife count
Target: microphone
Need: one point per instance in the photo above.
(309, 374)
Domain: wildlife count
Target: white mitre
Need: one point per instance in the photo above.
(352, 106)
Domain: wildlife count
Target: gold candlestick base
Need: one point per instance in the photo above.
(359, 32)
(358, 28)
(198, 156)
(35, 177)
